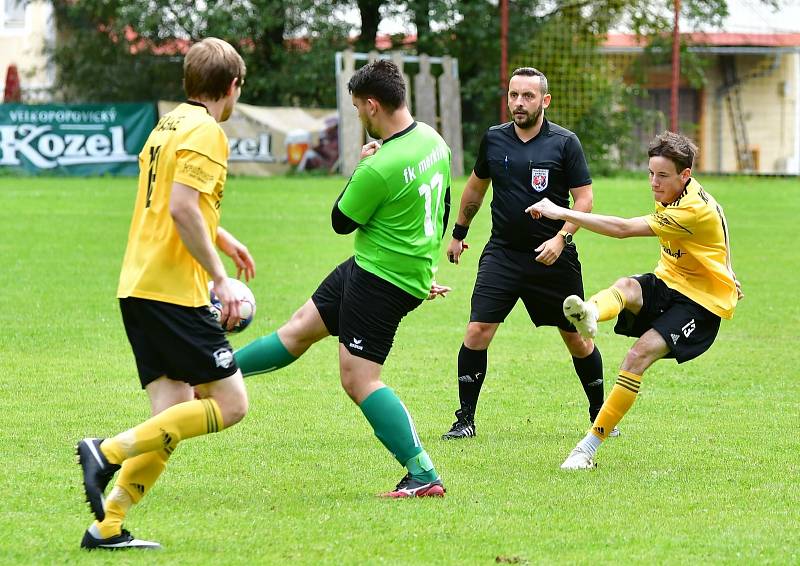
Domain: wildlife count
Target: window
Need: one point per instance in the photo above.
(13, 14)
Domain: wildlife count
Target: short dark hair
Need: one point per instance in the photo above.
(676, 147)
(531, 72)
(381, 80)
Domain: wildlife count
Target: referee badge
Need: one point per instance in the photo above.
(539, 178)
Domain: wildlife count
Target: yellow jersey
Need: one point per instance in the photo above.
(187, 146)
(695, 251)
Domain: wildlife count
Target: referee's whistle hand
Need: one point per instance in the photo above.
(455, 249)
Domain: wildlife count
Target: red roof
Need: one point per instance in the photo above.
(180, 46)
(613, 40)
(384, 41)
(177, 46)
(715, 39)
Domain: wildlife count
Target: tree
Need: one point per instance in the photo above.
(136, 48)
(370, 19)
(422, 22)
(289, 49)
(603, 114)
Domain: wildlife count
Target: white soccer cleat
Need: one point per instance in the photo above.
(578, 459)
(582, 314)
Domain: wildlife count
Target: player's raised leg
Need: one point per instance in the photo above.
(624, 294)
(285, 345)
(392, 424)
(582, 314)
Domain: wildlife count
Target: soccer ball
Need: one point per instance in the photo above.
(248, 305)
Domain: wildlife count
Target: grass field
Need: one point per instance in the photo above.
(706, 469)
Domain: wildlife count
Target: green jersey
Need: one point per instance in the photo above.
(397, 196)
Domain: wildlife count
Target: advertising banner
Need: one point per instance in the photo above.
(74, 139)
(266, 141)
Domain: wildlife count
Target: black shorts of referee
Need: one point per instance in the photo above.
(688, 328)
(506, 275)
(362, 309)
(184, 343)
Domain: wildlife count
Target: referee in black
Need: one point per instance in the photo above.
(525, 160)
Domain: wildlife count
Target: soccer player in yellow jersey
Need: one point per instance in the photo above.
(674, 312)
(164, 297)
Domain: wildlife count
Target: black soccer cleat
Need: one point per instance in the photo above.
(97, 472)
(122, 541)
(464, 427)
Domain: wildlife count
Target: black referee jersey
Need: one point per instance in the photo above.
(522, 174)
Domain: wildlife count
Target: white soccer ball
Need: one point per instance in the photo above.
(247, 309)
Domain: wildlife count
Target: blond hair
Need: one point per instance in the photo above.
(209, 67)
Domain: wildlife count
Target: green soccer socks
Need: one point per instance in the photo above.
(395, 429)
(263, 355)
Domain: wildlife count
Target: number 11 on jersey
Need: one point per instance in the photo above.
(425, 190)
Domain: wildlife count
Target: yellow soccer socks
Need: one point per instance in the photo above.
(144, 450)
(610, 302)
(621, 398)
(137, 476)
(164, 430)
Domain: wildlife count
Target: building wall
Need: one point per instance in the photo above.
(25, 29)
(769, 102)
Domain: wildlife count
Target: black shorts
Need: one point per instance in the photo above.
(362, 309)
(688, 329)
(184, 343)
(506, 275)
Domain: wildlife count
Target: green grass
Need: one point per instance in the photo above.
(706, 469)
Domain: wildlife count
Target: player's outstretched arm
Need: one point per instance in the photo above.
(582, 200)
(550, 250)
(613, 226)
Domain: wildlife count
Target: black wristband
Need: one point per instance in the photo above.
(460, 232)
